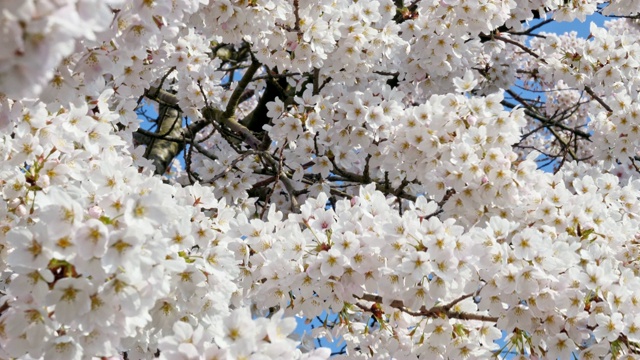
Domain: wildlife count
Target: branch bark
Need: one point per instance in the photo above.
(162, 151)
(257, 118)
(435, 311)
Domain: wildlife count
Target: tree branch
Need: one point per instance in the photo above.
(597, 98)
(162, 151)
(521, 46)
(433, 312)
(239, 90)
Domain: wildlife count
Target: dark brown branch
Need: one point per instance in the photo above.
(258, 118)
(286, 182)
(520, 45)
(505, 29)
(597, 98)
(436, 311)
(239, 90)
(231, 165)
(531, 29)
(546, 121)
(296, 14)
(217, 116)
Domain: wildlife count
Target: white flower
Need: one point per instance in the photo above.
(35, 282)
(332, 262)
(145, 212)
(609, 327)
(238, 331)
(63, 348)
(466, 83)
(416, 265)
(70, 296)
(29, 249)
(185, 342)
(91, 239)
(123, 250)
(561, 347)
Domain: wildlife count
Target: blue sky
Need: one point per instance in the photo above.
(581, 28)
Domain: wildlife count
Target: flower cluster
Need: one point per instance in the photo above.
(372, 163)
(558, 273)
(606, 68)
(37, 35)
(90, 249)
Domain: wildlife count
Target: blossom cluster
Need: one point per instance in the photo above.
(363, 159)
(559, 273)
(100, 257)
(606, 64)
(37, 35)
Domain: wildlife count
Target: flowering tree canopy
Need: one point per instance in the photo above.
(181, 178)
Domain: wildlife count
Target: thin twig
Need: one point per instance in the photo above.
(597, 98)
(535, 27)
(231, 165)
(521, 46)
(162, 80)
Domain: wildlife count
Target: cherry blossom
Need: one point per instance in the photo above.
(429, 179)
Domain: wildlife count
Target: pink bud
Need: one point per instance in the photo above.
(292, 45)
(95, 212)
